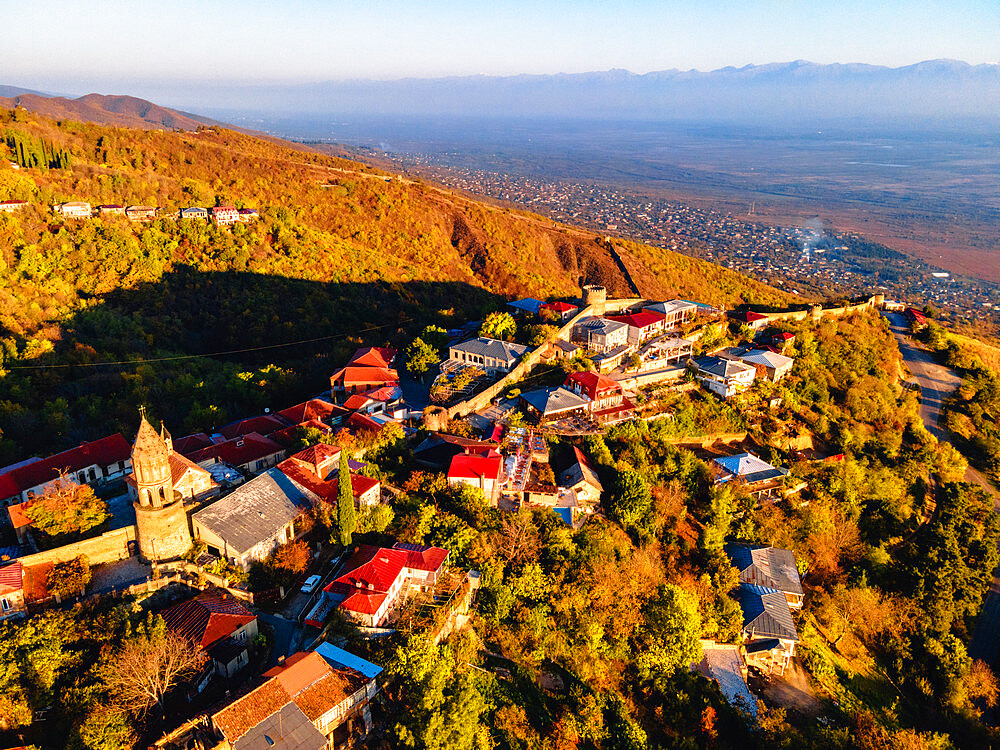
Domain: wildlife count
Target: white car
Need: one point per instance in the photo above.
(310, 585)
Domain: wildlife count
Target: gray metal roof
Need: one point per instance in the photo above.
(287, 729)
(601, 325)
(554, 400)
(766, 613)
(493, 348)
(256, 511)
(766, 359)
(772, 567)
(723, 368)
(670, 306)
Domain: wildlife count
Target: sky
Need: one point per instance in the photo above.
(112, 46)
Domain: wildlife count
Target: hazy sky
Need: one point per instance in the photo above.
(106, 45)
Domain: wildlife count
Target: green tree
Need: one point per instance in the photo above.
(420, 357)
(104, 728)
(668, 639)
(346, 516)
(441, 702)
(376, 518)
(498, 325)
(69, 578)
(436, 336)
(631, 497)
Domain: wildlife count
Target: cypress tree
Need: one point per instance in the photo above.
(347, 520)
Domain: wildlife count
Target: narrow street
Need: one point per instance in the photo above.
(936, 382)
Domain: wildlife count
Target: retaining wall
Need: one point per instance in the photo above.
(110, 546)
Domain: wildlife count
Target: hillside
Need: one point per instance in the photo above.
(341, 253)
(122, 111)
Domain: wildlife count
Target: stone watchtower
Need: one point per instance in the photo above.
(160, 519)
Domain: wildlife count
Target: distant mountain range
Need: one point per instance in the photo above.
(125, 111)
(935, 90)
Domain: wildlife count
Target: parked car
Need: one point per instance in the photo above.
(310, 584)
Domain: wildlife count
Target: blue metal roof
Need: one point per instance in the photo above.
(337, 657)
(528, 304)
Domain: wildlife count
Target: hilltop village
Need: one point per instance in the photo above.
(223, 527)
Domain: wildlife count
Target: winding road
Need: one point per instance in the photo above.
(937, 382)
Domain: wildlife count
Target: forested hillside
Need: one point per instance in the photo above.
(341, 253)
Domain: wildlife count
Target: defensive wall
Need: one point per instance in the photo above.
(436, 417)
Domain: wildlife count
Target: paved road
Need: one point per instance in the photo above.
(287, 636)
(937, 382)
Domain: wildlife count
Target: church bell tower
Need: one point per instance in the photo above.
(160, 519)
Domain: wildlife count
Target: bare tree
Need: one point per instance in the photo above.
(518, 536)
(150, 664)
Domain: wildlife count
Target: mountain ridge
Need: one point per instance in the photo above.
(933, 90)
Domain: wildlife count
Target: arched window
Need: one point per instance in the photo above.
(148, 497)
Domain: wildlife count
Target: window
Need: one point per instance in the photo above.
(4, 604)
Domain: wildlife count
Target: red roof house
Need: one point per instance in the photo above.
(563, 309)
(642, 325)
(373, 356)
(219, 624)
(11, 591)
(607, 398)
(252, 453)
(372, 580)
(750, 318)
(262, 425)
(482, 471)
(313, 409)
(103, 459)
(358, 379)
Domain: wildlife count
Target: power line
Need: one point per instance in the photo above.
(177, 357)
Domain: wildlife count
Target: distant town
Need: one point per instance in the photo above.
(805, 259)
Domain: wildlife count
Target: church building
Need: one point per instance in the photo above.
(160, 484)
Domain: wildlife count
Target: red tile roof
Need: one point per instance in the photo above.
(360, 484)
(299, 671)
(593, 383)
(238, 451)
(262, 425)
(305, 679)
(314, 408)
(370, 573)
(466, 466)
(17, 517)
(356, 401)
(190, 443)
(10, 578)
(243, 714)
(318, 454)
(747, 316)
(287, 436)
(421, 557)
(207, 619)
(559, 307)
(641, 319)
(353, 376)
(363, 422)
(373, 356)
(103, 453)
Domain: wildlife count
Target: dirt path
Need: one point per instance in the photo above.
(936, 383)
